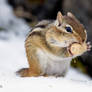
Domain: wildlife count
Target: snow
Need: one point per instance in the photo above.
(13, 57)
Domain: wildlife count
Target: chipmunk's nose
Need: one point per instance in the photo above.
(79, 39)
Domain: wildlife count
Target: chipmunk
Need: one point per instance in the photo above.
(47, 46)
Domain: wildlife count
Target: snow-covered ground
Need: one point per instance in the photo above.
(13, 57)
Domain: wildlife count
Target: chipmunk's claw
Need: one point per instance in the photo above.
(89, 46)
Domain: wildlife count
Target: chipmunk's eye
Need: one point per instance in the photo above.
(68, 29)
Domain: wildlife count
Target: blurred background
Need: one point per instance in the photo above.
(18, 16)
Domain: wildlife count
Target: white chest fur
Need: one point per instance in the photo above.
(53, 65)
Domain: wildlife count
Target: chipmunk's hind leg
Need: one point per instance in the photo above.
(34, 67)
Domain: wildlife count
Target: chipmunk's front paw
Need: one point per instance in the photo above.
(89, 46)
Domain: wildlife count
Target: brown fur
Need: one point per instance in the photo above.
(40, 40)
(79, 29)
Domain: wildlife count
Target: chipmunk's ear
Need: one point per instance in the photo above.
(59, 17)
(71, 15)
